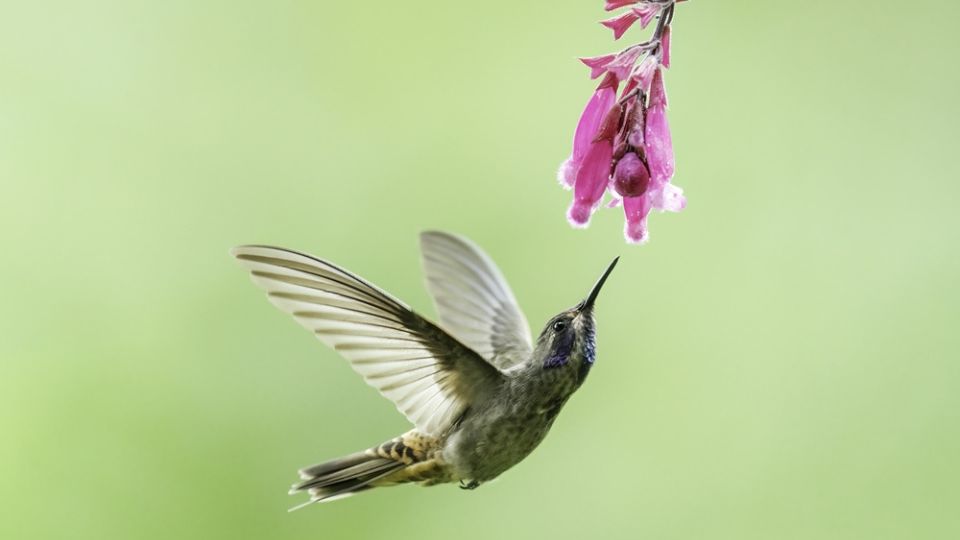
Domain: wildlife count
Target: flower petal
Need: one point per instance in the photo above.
(567, 174)
(621, 23)
(592, 179)
(591, 118)
(643, 75)
(646, 13)
(616, 4)
(665, 47)
(635, 209)
(622, 64)
(657, 141)
(598, 64)
(670, 198)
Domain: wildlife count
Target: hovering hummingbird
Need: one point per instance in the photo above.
(480, 394)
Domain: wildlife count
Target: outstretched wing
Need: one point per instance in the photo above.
(473, 299)
(430, 376)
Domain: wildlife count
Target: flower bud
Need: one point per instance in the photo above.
(630, 177)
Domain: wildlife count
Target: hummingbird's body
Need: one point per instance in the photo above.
(506, 428)
(480, 394)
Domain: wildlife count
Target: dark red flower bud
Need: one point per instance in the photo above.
(630, 177)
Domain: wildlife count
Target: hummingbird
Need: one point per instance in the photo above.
(480, 394)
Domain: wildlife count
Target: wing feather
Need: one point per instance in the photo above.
(430, 376)
(473, 299)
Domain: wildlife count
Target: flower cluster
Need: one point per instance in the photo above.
(622, 144)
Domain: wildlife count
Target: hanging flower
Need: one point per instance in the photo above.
(598, 106)
(622, 143)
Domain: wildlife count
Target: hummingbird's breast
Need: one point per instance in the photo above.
(500, 432)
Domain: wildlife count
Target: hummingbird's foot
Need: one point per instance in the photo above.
(473, 484)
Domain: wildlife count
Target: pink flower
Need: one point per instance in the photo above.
(617, 4)
(598, 64)
(657, 141)
(643, 74)
(635, 209)
(593, 114)
(591, 183)
(622, 144)
(669, 198)
(622, 64)
(621, 23)
(646, 13)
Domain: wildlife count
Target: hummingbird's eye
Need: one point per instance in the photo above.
(559, 326)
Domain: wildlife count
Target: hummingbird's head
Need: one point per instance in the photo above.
(568, 341)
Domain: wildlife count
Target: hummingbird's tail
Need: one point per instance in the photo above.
(343, 477)
(407, 458)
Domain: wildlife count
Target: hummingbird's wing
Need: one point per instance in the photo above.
(473, 299)
(430, 376)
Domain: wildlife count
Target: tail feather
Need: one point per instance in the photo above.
(343, 477)
(361, 471)
(327, 467)
(403, 459)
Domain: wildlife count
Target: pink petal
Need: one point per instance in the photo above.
(646, 13)
(669, 199)
(622, 64)
(635, 209)
(590, 120)
(665, 47)
(658, 91)
(643, 75)
(567, 174)
(598, 65)
(591, 183)
(657, 141)
(621, 23)
(616, 4)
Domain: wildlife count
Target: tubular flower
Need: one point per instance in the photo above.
(622, 143)
(598, 64)
(598, 106)
(617, 4)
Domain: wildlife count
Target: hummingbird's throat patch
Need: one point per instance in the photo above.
(590, 346)
(562, 349)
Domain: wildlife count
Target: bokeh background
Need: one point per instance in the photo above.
(781, 361)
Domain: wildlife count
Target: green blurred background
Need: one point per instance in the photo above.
(781, 361)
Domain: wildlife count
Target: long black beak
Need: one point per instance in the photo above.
(588, 303)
